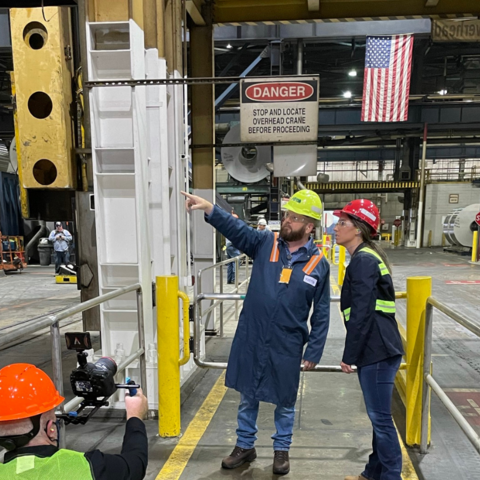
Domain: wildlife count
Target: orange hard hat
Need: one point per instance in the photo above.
(26, 391)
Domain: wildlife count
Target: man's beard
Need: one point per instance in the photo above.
(292, 235)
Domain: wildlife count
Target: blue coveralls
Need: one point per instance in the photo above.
(267, 350)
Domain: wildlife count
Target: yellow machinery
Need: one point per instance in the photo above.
(44, 96)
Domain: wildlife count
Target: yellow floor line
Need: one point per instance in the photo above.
(176, 463)
(408, 470)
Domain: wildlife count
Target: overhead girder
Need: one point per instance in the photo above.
(230, 11)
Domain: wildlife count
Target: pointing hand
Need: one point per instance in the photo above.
(195, 202)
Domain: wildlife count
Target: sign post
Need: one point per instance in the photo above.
(279, 109)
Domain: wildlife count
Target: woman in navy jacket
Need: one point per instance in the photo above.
(373, 341)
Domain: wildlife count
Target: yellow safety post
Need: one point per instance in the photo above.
(341, 264)
(418, 290)
(324, 245)
(475, 246)
(168, 335)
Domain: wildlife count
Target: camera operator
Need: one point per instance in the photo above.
(29, 431)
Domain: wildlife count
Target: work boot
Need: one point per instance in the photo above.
(238, 457)
(281, 463)
(355, 477)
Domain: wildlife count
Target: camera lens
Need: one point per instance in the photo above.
(107, 364)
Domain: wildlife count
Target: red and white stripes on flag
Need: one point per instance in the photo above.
(386, 82)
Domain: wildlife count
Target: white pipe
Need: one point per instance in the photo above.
(422, 188)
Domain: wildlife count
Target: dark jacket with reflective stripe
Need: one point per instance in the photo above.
(272, 330)
(367, 304)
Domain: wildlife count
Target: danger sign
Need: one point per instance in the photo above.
(279, 109)
(279, 92)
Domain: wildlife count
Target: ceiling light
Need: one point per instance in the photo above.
(352, 73)
(443, 92)
(347, 94)
(229, 46)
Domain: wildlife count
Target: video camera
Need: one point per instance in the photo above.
(94, 382)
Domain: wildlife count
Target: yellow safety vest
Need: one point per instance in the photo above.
(64, 465)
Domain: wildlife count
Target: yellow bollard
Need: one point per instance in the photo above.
(324, 245)
(475, 246)
(168, 334)
(341, 264)
(418, 290)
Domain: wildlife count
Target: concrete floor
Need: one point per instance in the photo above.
(332, 433)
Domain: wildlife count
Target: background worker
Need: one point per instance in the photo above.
(373, 341)
(29, 431)
(289, 275)
(232, 252)
(60, 238)
(262, 225)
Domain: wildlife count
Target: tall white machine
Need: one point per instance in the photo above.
(120, 165)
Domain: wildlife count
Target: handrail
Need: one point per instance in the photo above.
(237, 285)
(236, 296)
(48, 320)
(429, 382)
(53, 321)
(186, 328)
(221, 365)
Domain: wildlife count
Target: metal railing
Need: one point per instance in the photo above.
(221, 297)
(223, 365)
(53, 321)
(219, 303)
(429, 381)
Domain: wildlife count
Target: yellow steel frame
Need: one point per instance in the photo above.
(230, 11)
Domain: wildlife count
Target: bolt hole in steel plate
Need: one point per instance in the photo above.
(45, 172)
(40, 105)
(35, 35)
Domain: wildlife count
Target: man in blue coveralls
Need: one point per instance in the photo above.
(289, 275)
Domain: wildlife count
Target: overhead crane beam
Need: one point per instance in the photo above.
(232, 11)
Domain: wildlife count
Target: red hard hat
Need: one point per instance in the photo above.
(26, 391)
(364, 210)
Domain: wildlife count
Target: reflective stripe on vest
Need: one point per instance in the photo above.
(63, 465)
(274, 256)
(312, 263)
(381, 265)
(384, 306)
(308, 268)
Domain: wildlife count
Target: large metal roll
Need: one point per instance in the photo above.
(245, 164)
(457, 226)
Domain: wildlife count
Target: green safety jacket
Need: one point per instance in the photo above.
(46, 462)
(368, 307)
(64, 465)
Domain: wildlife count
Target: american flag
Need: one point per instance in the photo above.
(386, 82)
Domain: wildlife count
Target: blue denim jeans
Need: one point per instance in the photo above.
(247, 424)
(385, 463)
(231, 253)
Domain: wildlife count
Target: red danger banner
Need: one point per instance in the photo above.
(279, 92)
(279, 109)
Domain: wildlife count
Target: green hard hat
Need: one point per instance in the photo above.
(305, 202)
